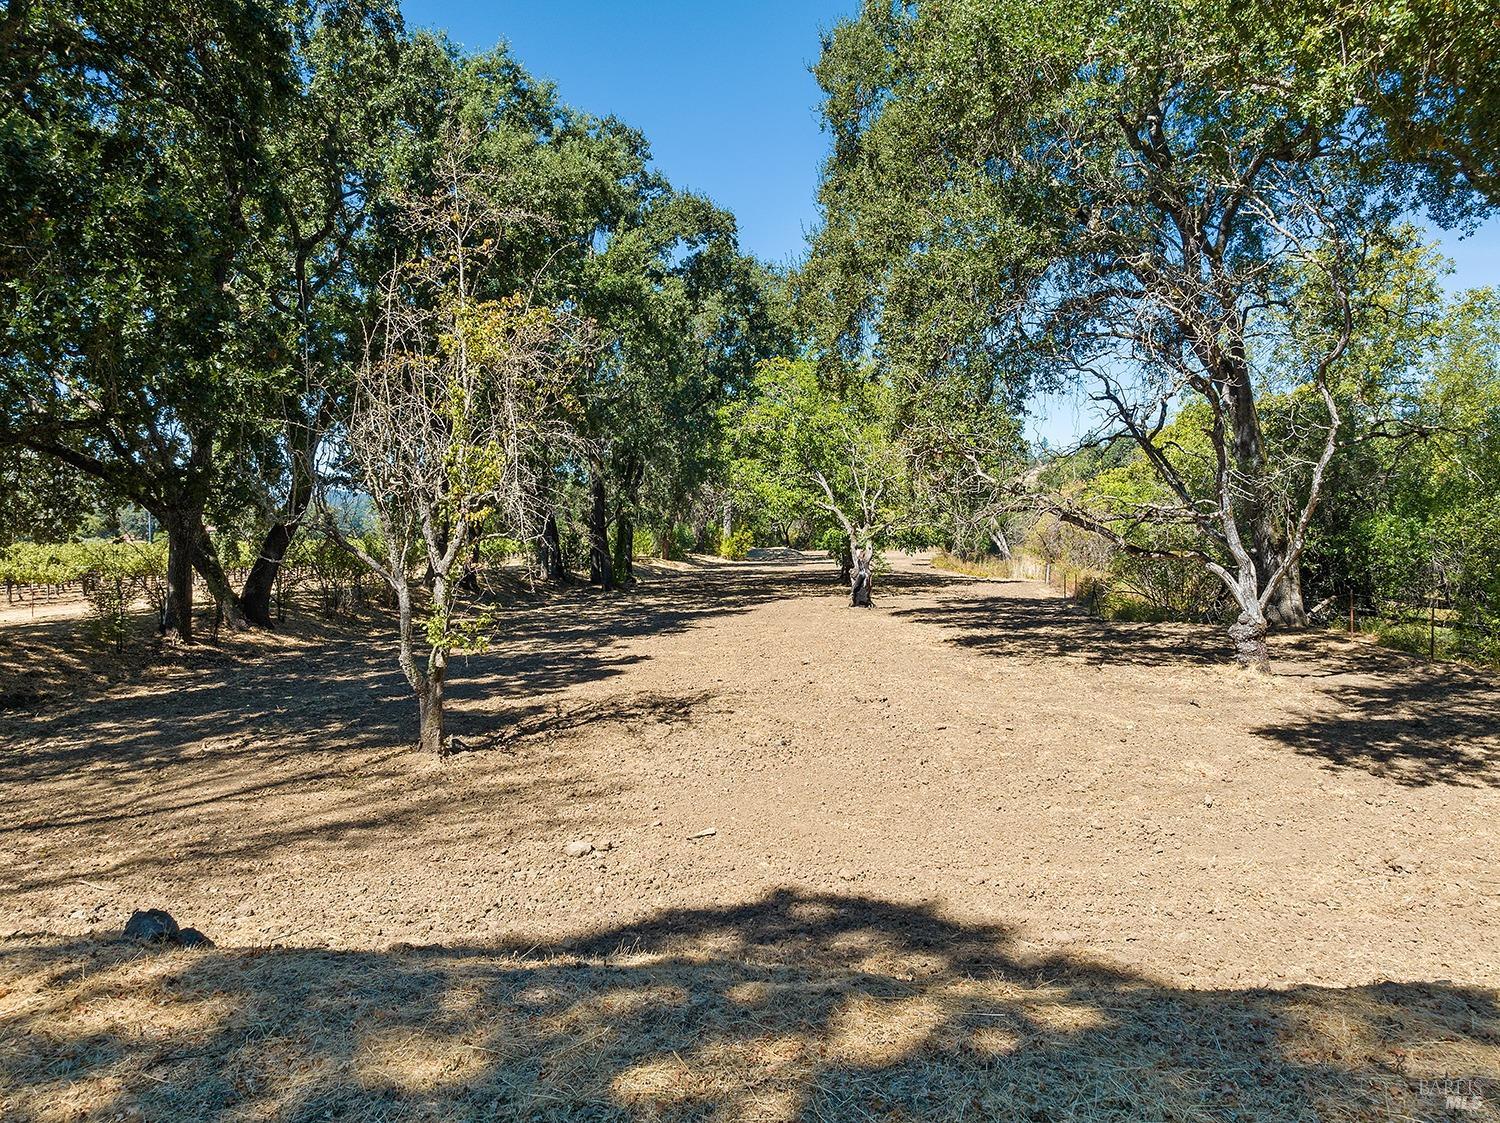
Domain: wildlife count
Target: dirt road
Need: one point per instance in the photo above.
(982, 755)
(982, 745)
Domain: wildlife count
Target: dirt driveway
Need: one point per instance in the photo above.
(969, 763)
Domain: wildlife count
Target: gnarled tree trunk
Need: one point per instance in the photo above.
(860, 584)
(1249, 635)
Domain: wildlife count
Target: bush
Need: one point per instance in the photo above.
(110, 588)
(116, 574)
(1128, 608)
(335, 572)
(736, 545)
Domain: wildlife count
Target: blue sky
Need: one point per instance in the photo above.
(722, 90)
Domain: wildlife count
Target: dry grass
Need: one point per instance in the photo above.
(794, 1007)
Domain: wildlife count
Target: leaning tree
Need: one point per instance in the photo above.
(133, 196)
(1111, 193)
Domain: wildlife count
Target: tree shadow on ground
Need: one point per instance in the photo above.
(1034, 628)
(1385, 713)
(1401, 719)
(315, 727)
(797, 1006)
(337, 688)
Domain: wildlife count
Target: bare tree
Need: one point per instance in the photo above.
(454, 396)
(1187, 330)
(858, 495)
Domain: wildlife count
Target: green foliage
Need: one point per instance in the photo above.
(800, 451)
(334, 571)
(736, 545)
(1412, 515)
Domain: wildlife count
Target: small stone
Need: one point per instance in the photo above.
(706, 832)
(846, 875)
(1208, 801)
(192, 938)
(152, 926)
(578, 848)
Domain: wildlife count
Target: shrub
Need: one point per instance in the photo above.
(109, 586)
(736, 545)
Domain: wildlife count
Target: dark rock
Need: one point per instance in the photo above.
(152, 926)
(192, 938)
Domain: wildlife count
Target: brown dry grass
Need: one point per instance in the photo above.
(792, 1007)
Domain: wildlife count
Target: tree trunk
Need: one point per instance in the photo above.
(549, 551)
(255, 597)
(1285, 609)
(430, 705)
(1249, 635)
(624, 543)
(601, 572)
(630, 487)
(179, 614)
(860, 583)
(206, 562)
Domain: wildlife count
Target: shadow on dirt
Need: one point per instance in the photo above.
(1387, 714)
(1045, 627)
(1411, 722)
(343, 687)
(797, 1006)
(319, 725)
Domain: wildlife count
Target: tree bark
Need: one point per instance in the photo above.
(860, 583)
(1249, 635)
(179, 617)
(549, 551)
(630, 486)
(206, 562)
(1285, 608)
(255, 597)
(430, 706)
(601, 571)
(624, 543)
(1001, 543)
